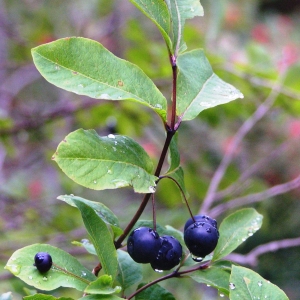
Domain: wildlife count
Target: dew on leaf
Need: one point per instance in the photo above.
(158, 106)
(221, 295)
(80, 86)
(157, 270)
(45, 278)
(83, 273)
(95, 181)
(15, 269)
(260, 283)
(111, 136)
(152, 189)
(231, 286)
(57, 67)
(30, 277)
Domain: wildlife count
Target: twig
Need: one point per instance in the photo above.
(252, 198)
(252, 257)
(241, 133)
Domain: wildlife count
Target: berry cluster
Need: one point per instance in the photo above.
(144, 245)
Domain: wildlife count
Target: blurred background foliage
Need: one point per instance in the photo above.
(249, 43)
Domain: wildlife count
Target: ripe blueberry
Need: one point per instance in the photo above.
(169, 254)
(201, 238)
(200, 218)
(143, 244)
(43, 261)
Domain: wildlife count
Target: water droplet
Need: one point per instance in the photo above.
(260, 283)
(95, 181)
(45, 278)
(83, 273)
(159, 271)
(208, 285)
(158, 106)
(80, 86)
(57, 67)
(15, 269)
(250, 233)
(192, 9)
(221, 295)
(197, 258)
(243, 239)
(152, 189)
(30, 277)
(231, 286)
(111, 136)
(109, 171)
(72, 195)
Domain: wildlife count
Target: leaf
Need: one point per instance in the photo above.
(44, 297)
(158, 12)
(175, 171)
(154, 292)
(130, 272)
(89, 247)
(102, 211)
(198, 87)
(215, 275)
(100, 237)
(103, 286)
(65, 272)
(101, 297)
(180, 11)
(235, 229)
(85, 67)
(246, 284)
(105, 162)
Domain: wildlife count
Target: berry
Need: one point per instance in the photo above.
(200, 218)
(143, 245)
(169, 254)
(43, 261)
(201, 238)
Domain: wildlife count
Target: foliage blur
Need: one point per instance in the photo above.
(249, 44)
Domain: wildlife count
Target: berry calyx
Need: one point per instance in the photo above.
(169, 254)
(43, 261)
(143, 244)
(201, 238)
(200, 218)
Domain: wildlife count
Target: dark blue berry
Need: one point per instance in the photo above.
(169, 254)
(200, 218)
(143, 244)
(201, 238)
(43, 261)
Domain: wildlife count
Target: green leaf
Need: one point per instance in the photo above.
(44, 297)
(101, 297)
(101, 238)
(158, 12)
(235, 229)
(103, 286)
(65, 272)
(105, 162)
(85, 67)
(246, 284)
(154, 292)
(216, 276)
(89, 247)
(175, 171)
(180, 11)
(102, 211)
(199, 87)
(130, 272)
(6, 296)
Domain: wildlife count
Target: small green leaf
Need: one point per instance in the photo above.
(180, 11)
(44, 297)
(101, 297)
(158, 12)
(103, 286)
(102, 211)
(246, 284)
(130, 272)
(198, 87)
(65, 272)
(235, 229)
(89, 247)
(154, 292)
(105, 162)
(101, 238)
(85, 67)
(215, 275)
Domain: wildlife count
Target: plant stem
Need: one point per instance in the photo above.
(174, 94)
(170, 134)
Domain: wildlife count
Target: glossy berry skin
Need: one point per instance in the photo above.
(43, 261)
(200, 218)
(143, 244)
(201, 238)
(169, 254)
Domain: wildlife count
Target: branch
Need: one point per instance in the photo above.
(257, 197)
(241, 133)
(252, 257)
